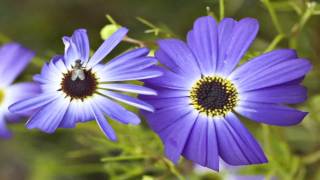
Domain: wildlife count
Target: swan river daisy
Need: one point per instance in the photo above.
(14, 58)
(202, 93)
(76, 88)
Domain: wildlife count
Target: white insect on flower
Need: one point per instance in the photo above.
(78, 71)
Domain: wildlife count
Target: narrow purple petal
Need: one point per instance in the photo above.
(127, 57)
(180, 56)
(283, 94)
(225, 31)
(4, 131)
(116, 111)
(171, 80)
(212, 147)
(29, 104)
(229, 149)
(248, 144)
(131, 88)
(132, 66)
(14, 58)
(147, 73)
(102, 122)
(76, 47)
(163, 118)
(49, 117)
(128, 100)
(243, 35)
(203, 41)
(107, 46)
(174, 142)
(281, 73)
(261, 63)
(270, 113)
(69, 119)
(160, 103)
(196, 145)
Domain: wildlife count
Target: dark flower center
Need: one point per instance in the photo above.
(214, 96)
(79, 86)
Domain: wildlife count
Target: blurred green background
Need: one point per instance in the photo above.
(84, 153)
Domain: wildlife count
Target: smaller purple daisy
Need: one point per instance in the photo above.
(76, 88)
(13, 58)
(202, 93)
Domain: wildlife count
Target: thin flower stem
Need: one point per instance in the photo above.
(311, 158)
(273, 15)
(134, 41)
(275, 42)
(172, 168)
(221, 7)
(266, 139)
(125, 158)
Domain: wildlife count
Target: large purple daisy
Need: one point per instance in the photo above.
(202, 93)
(13, 58)
(78, 89)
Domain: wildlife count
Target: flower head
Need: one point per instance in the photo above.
(203, 92)
(78, 89)
(14, 58)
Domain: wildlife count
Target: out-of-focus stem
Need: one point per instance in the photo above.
(275, 42)
(273, 15)
(221, 7)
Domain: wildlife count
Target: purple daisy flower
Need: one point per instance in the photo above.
(202, 93)
(78, 89)
(14, 58)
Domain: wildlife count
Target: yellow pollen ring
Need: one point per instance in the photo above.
(223, 90)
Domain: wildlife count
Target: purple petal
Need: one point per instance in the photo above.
(131, 88)
(212, 147)
(107, 46)
(4, 132)
(128, 57)
(17, 92)
(249, 145)
(283, 94)
(163, 118)
(234, 147)
(281, 73)
(225, 31)
(147, 73)
(203, 41)
(196, 145)
(171, 80)
(14, 58)
(102, 122)
(116, 111)
(29, 104)
(270, 113)
(178, 56)
(243, 35)
(175, 136)
(261, 63)
(70, 118)
(76, 47)
(49, 117)
(160, 103)
(166, 92)
(128, 100)
(132, 66)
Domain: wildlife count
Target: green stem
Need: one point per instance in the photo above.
(275, 42)
(172, 168)
(273, 15)
(124, 158)
(221, 7)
